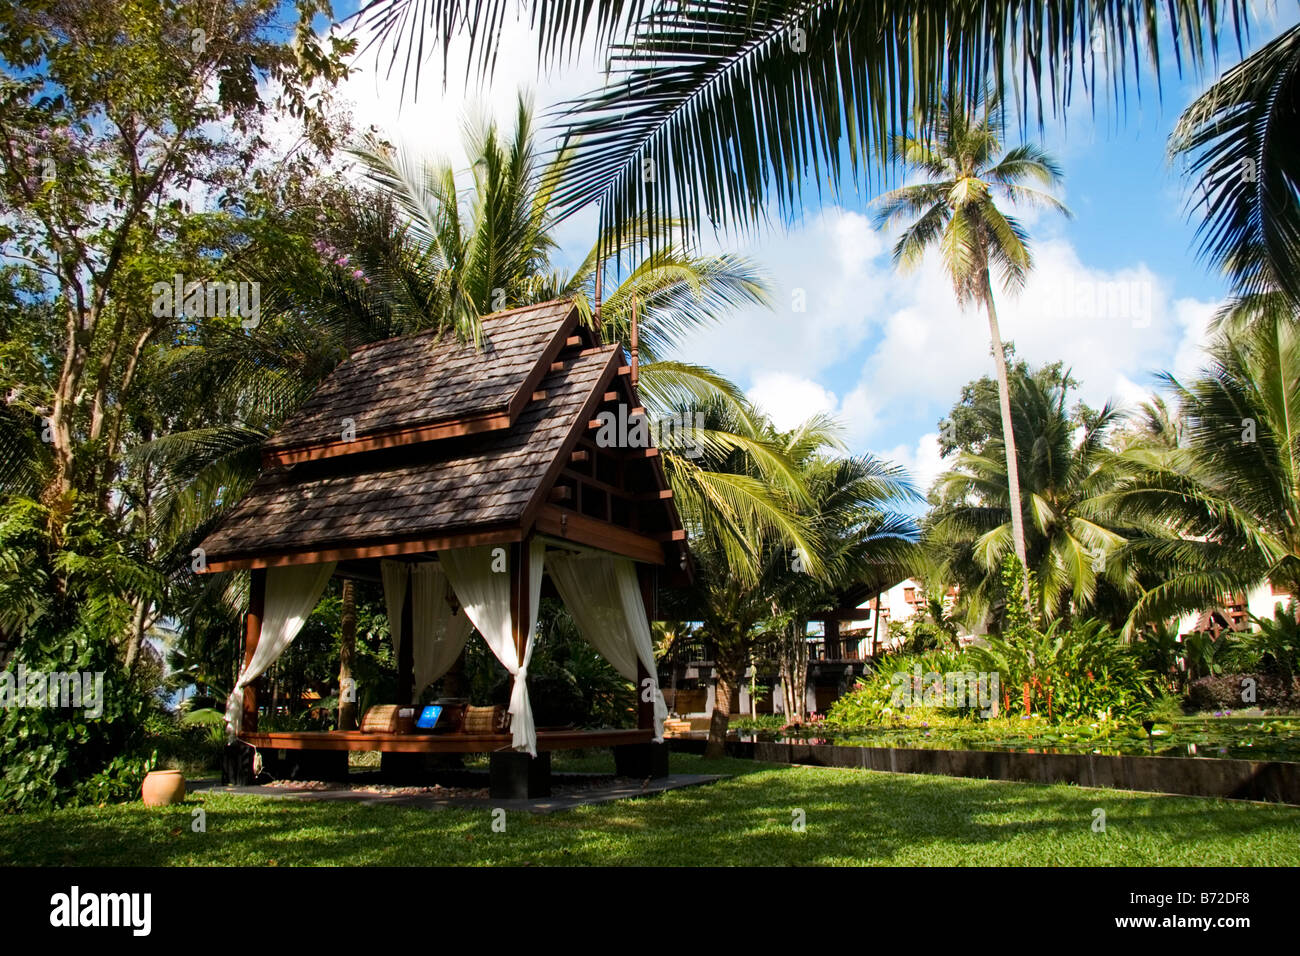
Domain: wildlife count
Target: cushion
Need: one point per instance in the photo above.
(389, 719)
(486, 720)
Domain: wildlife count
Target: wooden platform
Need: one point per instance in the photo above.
(439, 743)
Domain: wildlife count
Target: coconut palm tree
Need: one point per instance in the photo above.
(956, 209)
(1241, 142)
(1067, 469)
(714, 110)
(853, 513)
(1221, 511)
(839, 526)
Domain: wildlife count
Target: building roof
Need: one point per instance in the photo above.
(419, 491)
(390, 389)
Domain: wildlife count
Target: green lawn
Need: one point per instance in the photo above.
(853, 817)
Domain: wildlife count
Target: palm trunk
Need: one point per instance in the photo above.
(1008, 436)
(721, 717)
(347, 651)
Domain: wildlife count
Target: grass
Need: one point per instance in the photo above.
(852, 817)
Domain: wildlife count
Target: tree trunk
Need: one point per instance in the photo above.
(347, 652)
(1008, 436)
(720, 718)
(794, 671)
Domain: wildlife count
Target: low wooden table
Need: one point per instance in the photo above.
(322, 754)
(451, 743)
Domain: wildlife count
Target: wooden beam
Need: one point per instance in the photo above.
(539, 395)
(662, 494)
(503, 535)
(677, 534)
(405, 436)
(573, 340)
(594, 533)
(610, 397)
(557, 366)
(579, 456)
(253, 634)
(561, 493)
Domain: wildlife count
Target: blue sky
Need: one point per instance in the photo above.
(887, 353)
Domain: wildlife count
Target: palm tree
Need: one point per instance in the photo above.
(1241, 140)
(851, 512)
(1221, 511)
(714, 109)
(955, 209)
(1073, 539)
(838, 526)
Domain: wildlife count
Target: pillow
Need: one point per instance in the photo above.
(389, 719)
(486, 720)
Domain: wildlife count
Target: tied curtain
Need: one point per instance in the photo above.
(604, 598)
(291, 595)
(440, 635)
(484, 593)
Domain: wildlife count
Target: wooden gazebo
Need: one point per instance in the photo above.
(421, 459)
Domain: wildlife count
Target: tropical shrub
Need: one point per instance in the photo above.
(65, 580)
(65, 756)
(873, 701)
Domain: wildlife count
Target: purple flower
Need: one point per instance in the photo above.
(357, 274)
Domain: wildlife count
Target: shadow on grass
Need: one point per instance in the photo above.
(848, 817)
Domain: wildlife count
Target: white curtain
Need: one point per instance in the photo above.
(484, 593)
(395, 575)
(291, 595)
(439, 635)
(604, 598)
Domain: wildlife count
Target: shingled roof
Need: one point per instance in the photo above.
(406, 387)
(419, 490)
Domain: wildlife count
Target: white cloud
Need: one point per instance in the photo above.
(1113, 328)
(828, 281)
(789, 399)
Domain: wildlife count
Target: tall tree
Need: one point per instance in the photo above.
(956, 209)
(106, 128)
(1068, 467)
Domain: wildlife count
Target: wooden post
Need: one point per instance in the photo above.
(252, 634)
(635, 343)
(406, 656)
(595, 312)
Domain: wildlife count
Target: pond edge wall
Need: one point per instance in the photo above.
(1269, 781)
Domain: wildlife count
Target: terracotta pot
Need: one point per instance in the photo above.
(162, 788)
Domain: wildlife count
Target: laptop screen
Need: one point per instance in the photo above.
(428, 717)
